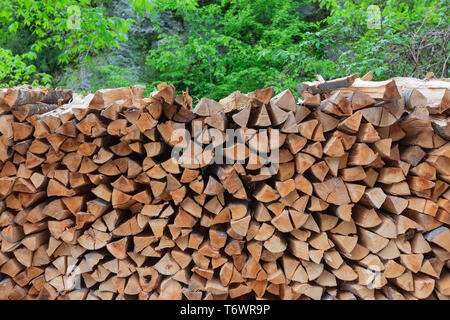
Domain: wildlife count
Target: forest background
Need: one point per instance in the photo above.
(217, 47)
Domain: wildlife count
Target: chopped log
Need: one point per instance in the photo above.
(285, 100)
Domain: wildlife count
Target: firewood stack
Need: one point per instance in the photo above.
(94, 204)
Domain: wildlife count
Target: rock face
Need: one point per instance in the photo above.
(127, 62)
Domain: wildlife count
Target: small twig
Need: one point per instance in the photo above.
(443, 67)
(89, 49)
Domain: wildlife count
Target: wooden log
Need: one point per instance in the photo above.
(316, 88)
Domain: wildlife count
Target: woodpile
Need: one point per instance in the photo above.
(94, 204)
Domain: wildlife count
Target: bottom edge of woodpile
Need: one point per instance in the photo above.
(342, 194)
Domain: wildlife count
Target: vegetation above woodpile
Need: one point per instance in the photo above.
(342, 194)
(219, 46)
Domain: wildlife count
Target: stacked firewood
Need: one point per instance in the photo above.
(342, 194)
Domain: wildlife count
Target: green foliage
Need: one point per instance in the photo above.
(411, 41)
(110, 76)
(246, 45)
(57, 32)
(219, 46)
(231, 45)
(152, 6)
(14, 70)
(250, 44)
(209, 65)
